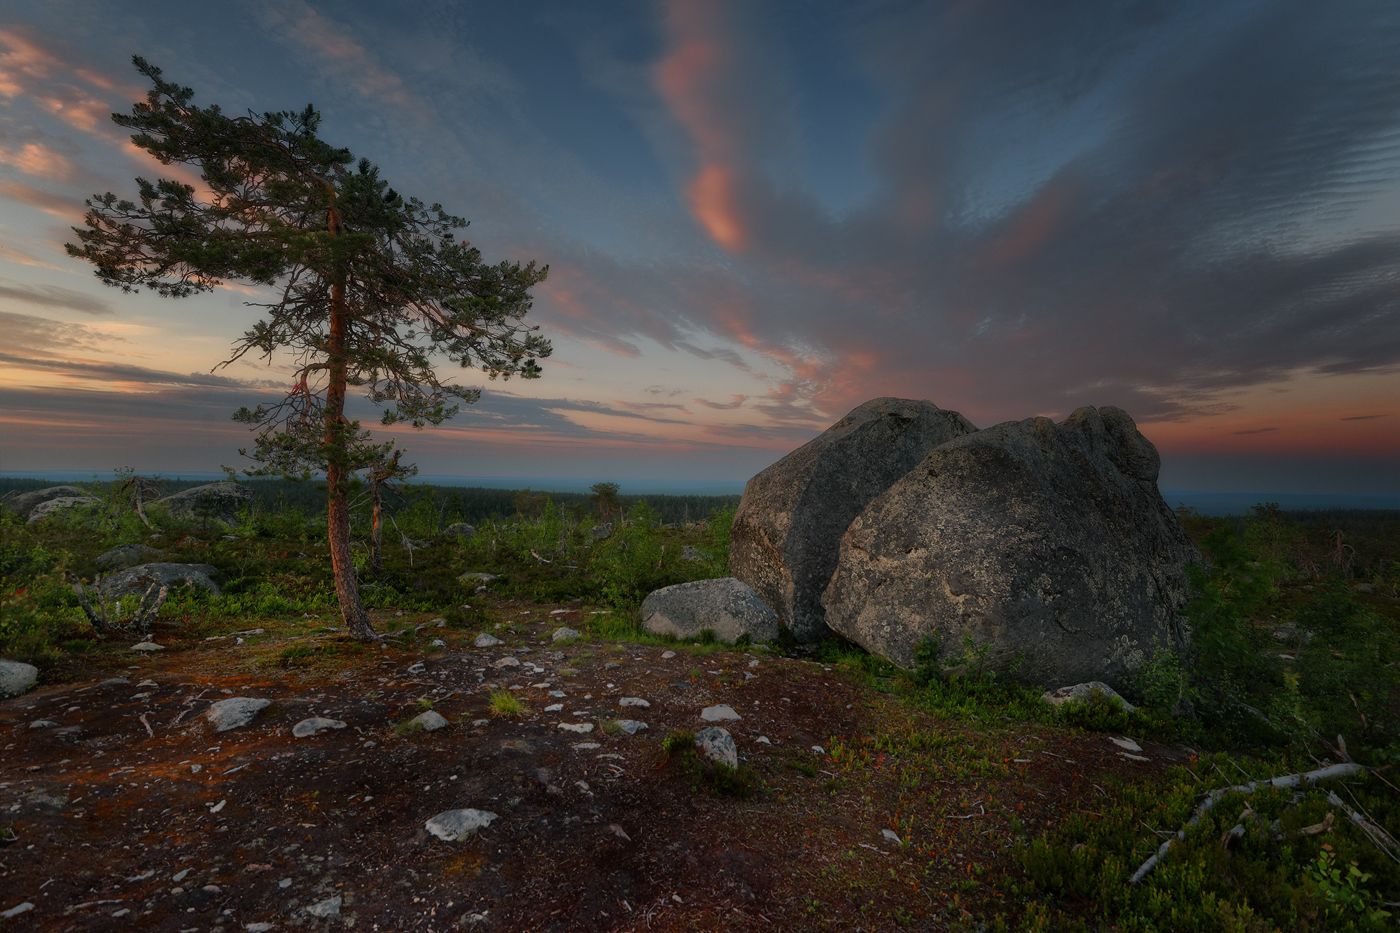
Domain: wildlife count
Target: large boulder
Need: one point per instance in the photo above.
(726, 608)
(22, 503)
(788, 527)
(136, 580)
(126, 555)
(1046, 548)
(50, 507)
(219, 502)
(16, 677)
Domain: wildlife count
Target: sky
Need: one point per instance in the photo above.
(759, 215)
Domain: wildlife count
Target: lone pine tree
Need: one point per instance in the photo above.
(368, 288)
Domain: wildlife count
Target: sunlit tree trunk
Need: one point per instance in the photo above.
(347, 590)
(376, 527)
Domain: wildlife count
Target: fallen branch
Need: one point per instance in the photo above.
(1285, 781)
(1374, 831)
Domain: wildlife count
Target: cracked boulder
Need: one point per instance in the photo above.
(1042, 551)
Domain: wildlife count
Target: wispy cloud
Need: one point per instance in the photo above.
(53, 296)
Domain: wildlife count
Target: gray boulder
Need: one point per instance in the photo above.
(726, 607)
(788, 527)
(126, 555)
(717, 745)
(456, 825)
(235, 712)
(1045, 546)
(1085, 692)
(22, 503)
(16, 677)
(216, 502)
(136, 580)
(61, 504)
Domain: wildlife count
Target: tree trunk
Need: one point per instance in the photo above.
(376, 528)
(336, 439)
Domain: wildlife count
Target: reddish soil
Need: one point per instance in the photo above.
(106, 815)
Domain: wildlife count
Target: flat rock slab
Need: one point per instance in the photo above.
(309, 727)
(456, 825)
(720, 713)
(17, 677)
(61, 504)
(717, 745)
(235, 712)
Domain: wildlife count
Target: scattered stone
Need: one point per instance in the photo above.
(180, 875)
(554, 708)
(1132, 757)
(326, 909)
(890, 836)
(147, 647)
(727, 608)
(213, 502)
(717, 745)
(507, 662)
(42, 724)
(437, 643)
(585, 746)
(1084, 691)
(788, 527)
(309, 727)
(1047, 545)
(456, 825)
(235, 712)
(17, 677)
(485, 640)
(16, 910)
(259, 927)
(427, 721)
(612, 665)
(630, 726)
(62, 504)
(634, 701)
(1127, 744)
(564, 633)
(417, 668)
(579, 727)
(720, 713)
(619, 832)
(667, 655)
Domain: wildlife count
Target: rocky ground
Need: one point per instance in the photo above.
(121, 806)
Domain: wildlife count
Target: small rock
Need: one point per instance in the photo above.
(234, 712)
(486, 640)
(585, 746)
(818, 750)
(326, 909)
(717, 745)
(180, 875)
(417, 668)
(554, 707)
(634, 701)
(564, 633)
(42, 724)
(259, 927)
(579, 727)
(507, 661)
(763, 740)
(428, 721)
(1127, 744)
(315, 724)
(1083, 692)
(630, 726)
(437, 643)
(456, 825)
(16, 677)
(147, 647)
(16, 910)
(890, 836)
(720, 713)
(619, 832)
(667, 655)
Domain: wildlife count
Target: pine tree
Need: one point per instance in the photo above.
(371, 289)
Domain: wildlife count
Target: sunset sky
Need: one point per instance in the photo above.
(759, 215)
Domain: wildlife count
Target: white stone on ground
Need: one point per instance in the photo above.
(326, 909)
(564, 633)
(456, 825)
(667, 655)
(314, 725)
(147, 647)
(720, 713)
(579, 727)
(630, 726)
(485, 640)
(1127, 744)
(890, 836)
(507, 661)
(235, 712)
(16, 677)
(429, 721)
(554, 707)
(717, 745)
(634, 701)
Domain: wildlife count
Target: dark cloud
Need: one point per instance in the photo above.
(1362, 417)
(733, 403)
(53, 296)
(1255, 431)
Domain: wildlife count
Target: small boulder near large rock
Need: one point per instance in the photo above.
(717, 745)
(136, 580)
(22, 503)
(51, 507)
(1046, 547)
(126, 555)
(16, 677)
(725, 607)
(1084, 693)
(787, 530)
(213, 502)
(235, 712)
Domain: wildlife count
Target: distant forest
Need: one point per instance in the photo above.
(452, 503)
